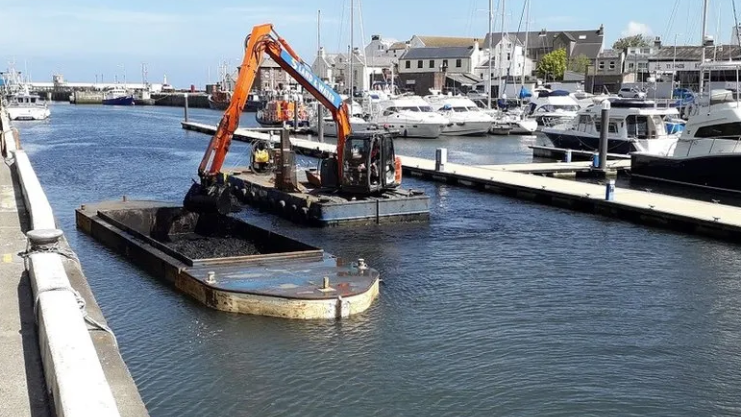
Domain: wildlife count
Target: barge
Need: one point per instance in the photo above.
(231, 265)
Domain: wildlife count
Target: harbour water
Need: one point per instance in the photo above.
(495, 307)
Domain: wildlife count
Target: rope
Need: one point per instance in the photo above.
(96, 325)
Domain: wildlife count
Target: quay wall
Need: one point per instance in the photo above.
(195, 100)
(84, 372)
(87, 97)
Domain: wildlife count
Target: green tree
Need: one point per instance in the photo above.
(552, 65)
(579, 63)
(631, 42)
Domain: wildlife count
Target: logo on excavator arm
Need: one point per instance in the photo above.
(319, 85)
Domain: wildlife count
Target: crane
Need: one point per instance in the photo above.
(368, 165)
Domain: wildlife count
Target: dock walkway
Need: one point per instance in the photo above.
(22, 386)
(690, 216)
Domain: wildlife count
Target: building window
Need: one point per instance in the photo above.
(630, 66)
(432, 63)
(407, 64)
(419, 64)
(458, 63)
(612, 65)
(509, 56)
(601, 66)
(445, 63)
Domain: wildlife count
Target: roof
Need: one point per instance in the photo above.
(591, 50)
(445, 41)
(544, 38)
(694, 53)
(399, 45)
(609, 53)
(497, 37)
(432, 53)
(269, 63)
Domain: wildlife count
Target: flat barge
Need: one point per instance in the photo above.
(231, 265)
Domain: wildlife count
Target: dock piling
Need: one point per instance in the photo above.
(567, 156)
(610, 190)
(185, 107)
(604, 128)
(320, 121)
(441, 158)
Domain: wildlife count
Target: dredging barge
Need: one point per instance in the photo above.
(231, 265)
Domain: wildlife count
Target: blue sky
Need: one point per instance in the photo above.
(187, 39)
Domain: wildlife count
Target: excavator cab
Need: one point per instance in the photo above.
(369, 166)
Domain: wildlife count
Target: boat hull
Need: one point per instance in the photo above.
(718, 171)
(21, 113)
(567, 140)
(467, 128)
(119, 101)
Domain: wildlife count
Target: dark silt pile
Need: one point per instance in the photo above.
(196, 246)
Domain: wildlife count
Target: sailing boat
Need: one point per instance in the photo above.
(523, 125)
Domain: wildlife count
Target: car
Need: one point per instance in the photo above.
(631, 92)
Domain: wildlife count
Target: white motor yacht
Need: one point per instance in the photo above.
(411, 116)
(464, 117)
(552, 108)
(708, 152)
(26, 106)
(634, 125)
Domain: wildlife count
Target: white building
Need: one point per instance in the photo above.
(334, 68)
(508, 58)
(451, 59)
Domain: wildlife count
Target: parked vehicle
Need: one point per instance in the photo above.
(631, 92)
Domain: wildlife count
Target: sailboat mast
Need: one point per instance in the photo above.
(488, 78)
(501, 53)
(524, 47)
(702, 43)
(318, 30)
(352, 45)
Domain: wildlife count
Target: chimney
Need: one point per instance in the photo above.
(476, 46)
(657, 42)
(321, 52)
(375, 37)
(601, 30)
(542, 32)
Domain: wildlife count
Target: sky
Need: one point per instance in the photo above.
(185, 40)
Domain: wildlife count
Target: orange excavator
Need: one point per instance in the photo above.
(364, 164)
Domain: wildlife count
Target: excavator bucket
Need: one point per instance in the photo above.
(214, 198)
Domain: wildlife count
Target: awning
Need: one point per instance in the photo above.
(463, 79)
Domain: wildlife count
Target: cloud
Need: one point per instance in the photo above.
(636, 28)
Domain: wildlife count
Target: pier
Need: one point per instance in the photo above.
(517, 180)
(57, 354)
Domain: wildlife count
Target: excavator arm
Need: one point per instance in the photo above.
(263, 39)
(211, 195)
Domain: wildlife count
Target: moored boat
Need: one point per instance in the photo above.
(118, 97)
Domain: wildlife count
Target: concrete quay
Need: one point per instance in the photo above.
(57, 354)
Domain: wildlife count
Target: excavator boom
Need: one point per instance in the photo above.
(212, 193)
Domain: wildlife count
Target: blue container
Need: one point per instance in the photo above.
(610, 190)
(595, 160)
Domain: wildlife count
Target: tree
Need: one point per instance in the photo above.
(631, 42)
(552, 65)
(579, 63)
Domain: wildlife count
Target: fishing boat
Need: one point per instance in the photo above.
(118, 97)
(26, 106)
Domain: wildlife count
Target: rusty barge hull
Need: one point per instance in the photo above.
(230, 265)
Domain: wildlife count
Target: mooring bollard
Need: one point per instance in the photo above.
(441, 158)
(185, 107)
(567, 157)
(610, 190)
